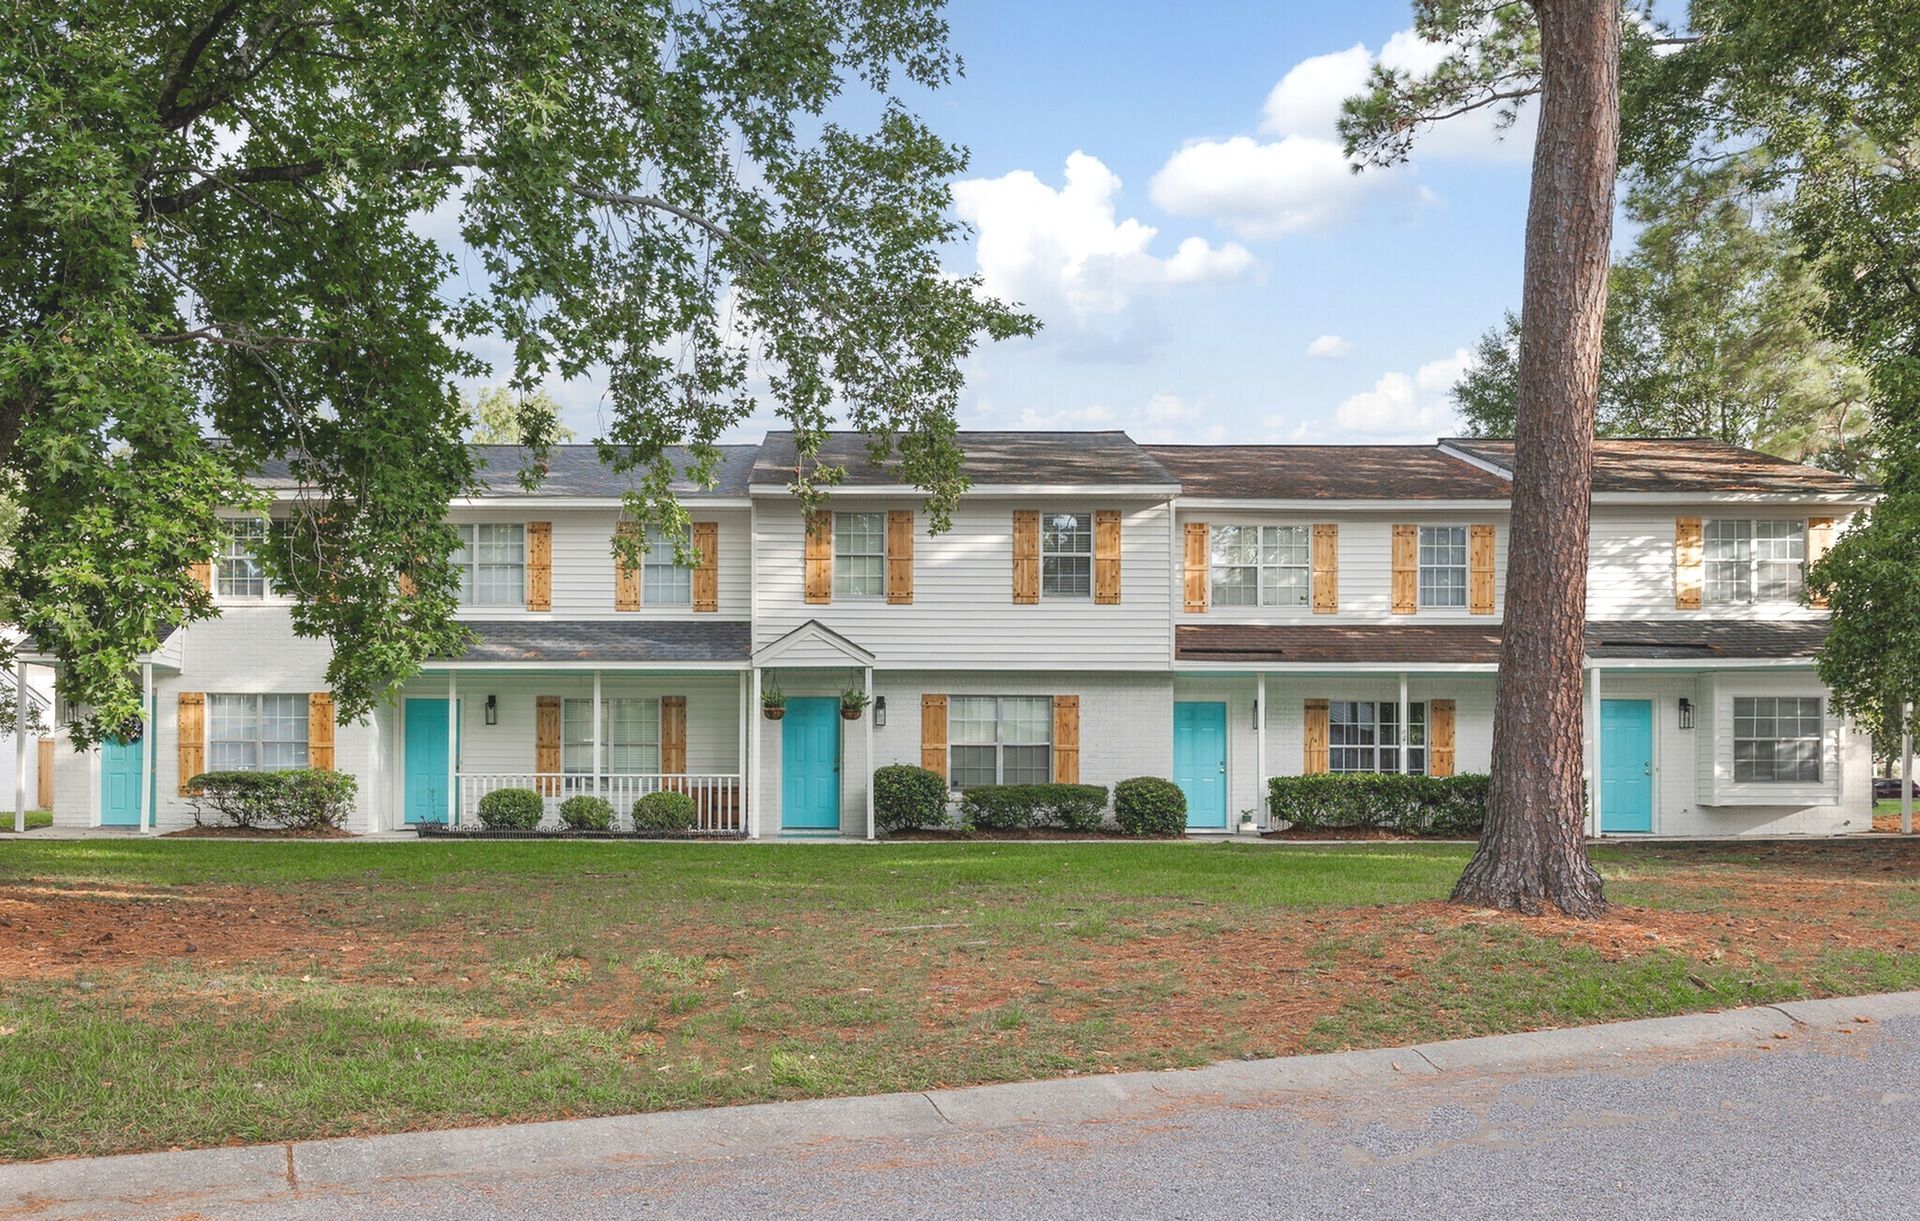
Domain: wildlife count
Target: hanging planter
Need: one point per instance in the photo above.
(773, 704)
(852, 704)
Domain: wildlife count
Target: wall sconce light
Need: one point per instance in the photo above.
(493, 711)
(879, 712)
(1686, 713)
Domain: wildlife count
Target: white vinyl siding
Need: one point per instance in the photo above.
(1260, 565)
(1443, 566)
(1000, 740)
(1066, 555)
(240, 574)
(629, 736)
(1363, 736)
(1777, 739)
(492, 559)
(256, 733)
(664, 580)
(859, 555)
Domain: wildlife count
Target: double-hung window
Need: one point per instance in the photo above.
(240, 574)
(1754, 561)
(859, 555)
(664, 580)
(1776, 739)
(1066, 555)
(1363, 736)
(492, 559)
(1443, 565)
(1004, 739)
(629, 736)
(256, 733)
(1260, 566)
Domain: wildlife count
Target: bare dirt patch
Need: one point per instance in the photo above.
(258, 833)
(49, 932)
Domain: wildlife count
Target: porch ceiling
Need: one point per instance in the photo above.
(608, 640)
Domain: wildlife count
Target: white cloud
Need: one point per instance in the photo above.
(1307, 99)
(1329, 347)
(1064, 252)
(1403, 407)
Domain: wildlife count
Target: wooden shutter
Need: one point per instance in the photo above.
(1314, 760)
(1480, 569)
(1026, 556)
(1196, 562)
(673, 734)
(626, 576)
(1819, 541)
(706, 578)
(1689, 563)
(191, 735)
(1106, 556)
(900, 556)
(1439, 737)
(1066, 739)
(819, 561)
(201, 574)
(1406, 569)
(1326, 568)
(320, 731)
(539, 565)
(546, 743)
(933, 734)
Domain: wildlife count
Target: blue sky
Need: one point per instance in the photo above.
(1208, 234)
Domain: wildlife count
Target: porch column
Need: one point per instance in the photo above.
(20, 749)
(1593, 777)
(741, 730)
(453, 748)
(149, 817)
(753, 753)
(1406, 724)
(867, 782)
(596, 735)
(1260, 747)
(1906, 769)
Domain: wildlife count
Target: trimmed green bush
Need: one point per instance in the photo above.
(585, 813)
(1148, 805)
(511, 810)
(1452, 806)
(665, 811)
(1013, 807)
(906, 797)
(298, 799)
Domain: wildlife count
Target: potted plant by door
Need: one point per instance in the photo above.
(852, 703)
(773, 703)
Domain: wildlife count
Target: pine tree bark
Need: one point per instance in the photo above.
(1532, 853)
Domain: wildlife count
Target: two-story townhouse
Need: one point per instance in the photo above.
(1097, 610)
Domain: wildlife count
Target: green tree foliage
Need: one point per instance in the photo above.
(1711, 330)
(498, 416)
(218, 217)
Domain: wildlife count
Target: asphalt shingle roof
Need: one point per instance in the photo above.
(536, 640)
(574, 470)
(1328, 472)
(1064, 458)
(1471, 644)
(1682, 464)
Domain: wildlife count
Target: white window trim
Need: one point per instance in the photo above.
(1421, 567)
(569, 745)
(1820, 745)
(653, 539)
(470, 570)
(1260, 566)
(1753, 562)
(259, 739)
(1087, 555)
(999, 743)
(252, 554)
(1380, 749)
(840, 534)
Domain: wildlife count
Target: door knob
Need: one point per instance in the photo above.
(1646, 769)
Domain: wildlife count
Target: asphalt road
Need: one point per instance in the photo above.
(1820, 1124)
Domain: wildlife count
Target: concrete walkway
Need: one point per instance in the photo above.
(1794, 1089)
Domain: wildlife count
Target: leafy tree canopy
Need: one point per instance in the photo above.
(498, 416)
(219, 216)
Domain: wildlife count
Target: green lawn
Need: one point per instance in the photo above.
(155, 994)
(35, 820)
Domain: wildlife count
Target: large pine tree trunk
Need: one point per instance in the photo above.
(1532, 854)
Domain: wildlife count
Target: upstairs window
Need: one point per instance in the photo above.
(629, 737)
(1066, 555)
(1364, 736)
(492, 561)
(859, 555)
(1001, 740)
(1754, 561)
(256, 733)
(664, 581)
(1443, 565)
(240, 574)
(1776, 740)
(1260, 566)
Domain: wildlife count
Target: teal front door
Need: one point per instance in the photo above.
(425, 796)
(1626, 765)
(810, 765)
(1200, 762)
(119, 783)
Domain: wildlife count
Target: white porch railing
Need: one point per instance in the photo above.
(716, 796)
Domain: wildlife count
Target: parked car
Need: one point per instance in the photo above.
(1887, 787)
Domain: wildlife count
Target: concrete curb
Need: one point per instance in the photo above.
(149, 1180)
